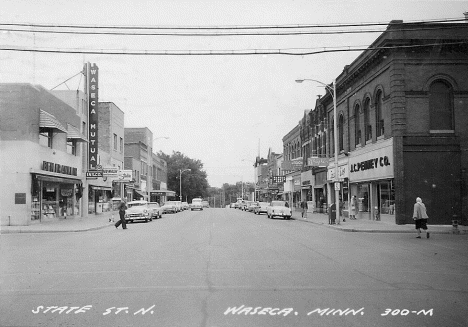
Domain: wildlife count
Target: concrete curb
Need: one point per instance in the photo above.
(390, 231)
(19, 231)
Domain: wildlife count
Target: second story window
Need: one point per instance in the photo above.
(45, 137)
(341, 133)
(71, 146)
(379, 120)
(357, 125)
(121, 145)
(367, 125)
(441, 106)
(115, 142)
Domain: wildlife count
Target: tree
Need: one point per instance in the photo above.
(194, 182)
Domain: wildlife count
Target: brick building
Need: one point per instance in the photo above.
(402, 112)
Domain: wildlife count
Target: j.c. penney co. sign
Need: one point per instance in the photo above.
(375, 164)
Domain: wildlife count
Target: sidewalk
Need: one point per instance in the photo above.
(70, 224)
(372, 226)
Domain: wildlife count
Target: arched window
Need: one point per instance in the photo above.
(441, 105)
(357, 125)
(341, 133)
(367, 125)
(379, 120)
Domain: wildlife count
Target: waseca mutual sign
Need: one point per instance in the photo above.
(377, 164)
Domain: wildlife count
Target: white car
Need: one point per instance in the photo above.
(170, 206)
(197, 204)
(261, 208)
(138, 210)
(279, 209)
(156, 210)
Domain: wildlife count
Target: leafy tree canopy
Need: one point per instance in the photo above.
(194, 182)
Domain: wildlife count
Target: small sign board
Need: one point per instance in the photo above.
(124, 176)
(94, 174)
(317, 162)
(337, 186)
(20, 198)
(110, 171)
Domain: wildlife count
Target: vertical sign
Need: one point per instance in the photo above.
(93, 73)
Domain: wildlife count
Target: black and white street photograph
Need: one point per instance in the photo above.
(234, 163)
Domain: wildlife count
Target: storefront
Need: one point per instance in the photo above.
(161, 196)
(320, 192)
(54, 195)
(306, 185)
(371, 180)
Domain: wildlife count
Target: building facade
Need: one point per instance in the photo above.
(37, 124)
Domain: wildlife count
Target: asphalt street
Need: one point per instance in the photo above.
(225, 267)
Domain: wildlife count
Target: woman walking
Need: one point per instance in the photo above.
(420, 217)
(352, 208)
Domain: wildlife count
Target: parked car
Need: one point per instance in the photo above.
(155, 209)
(261, 208)
(170, 207)
(205, 204)
(137, 210)
(179, 205)
(197, 204)
(278, 209)
(242, 205)
(185, 206)
(250, 206)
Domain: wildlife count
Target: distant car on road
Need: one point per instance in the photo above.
(155, 210)
(278, 209)
(197, 204)
(205, 204)
(138, 210)
(185, 206)
(251, 205)
(261, 208)
(170, 207)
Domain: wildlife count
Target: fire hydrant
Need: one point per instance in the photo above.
(376, 213)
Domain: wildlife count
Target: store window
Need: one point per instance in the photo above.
(45, 137)
(386, 196)
(441, 106)
(363, 197)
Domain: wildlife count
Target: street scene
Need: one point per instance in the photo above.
(228, 267)
(233, 163)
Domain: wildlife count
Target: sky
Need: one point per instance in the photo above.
(223, 110)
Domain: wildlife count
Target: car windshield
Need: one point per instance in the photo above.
(278, 203)
(136, 204)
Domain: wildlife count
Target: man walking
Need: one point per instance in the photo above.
(122, 208)
(304, 209)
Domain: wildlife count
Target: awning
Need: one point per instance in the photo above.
(306, 187)
(59, 179)
(49, 121)
(74, 133)
(101, 188)
(139, 192)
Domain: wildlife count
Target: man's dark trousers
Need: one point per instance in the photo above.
(122, 220)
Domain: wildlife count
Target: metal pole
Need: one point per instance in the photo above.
(180, 184)
(335, 134)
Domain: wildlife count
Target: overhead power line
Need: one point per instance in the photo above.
(228, 27)
(290, 52)
(271, 33)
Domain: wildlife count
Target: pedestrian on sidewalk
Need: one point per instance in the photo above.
(304, 207)
(420, 217)
(122, 208)
(352, 207)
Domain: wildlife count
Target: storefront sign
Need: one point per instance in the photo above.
(124, 176)
(343, 172)
(94, 174)
(110, 171)
(317, 162)
(57, 168)
(277, 179)
(372, 165)
(292, 165)
(93, 99)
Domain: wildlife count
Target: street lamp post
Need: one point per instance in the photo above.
(180, 181)
(335, 137)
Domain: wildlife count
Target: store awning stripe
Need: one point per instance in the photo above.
(49, 121)
(49, 178)
(74, 133)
